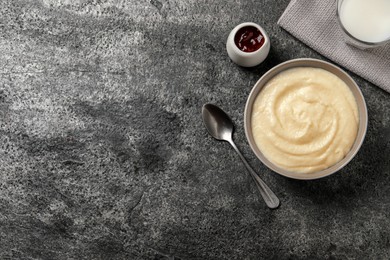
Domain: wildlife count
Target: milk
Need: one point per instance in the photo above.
(366, 20)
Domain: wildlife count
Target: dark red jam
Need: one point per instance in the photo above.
(249, 39)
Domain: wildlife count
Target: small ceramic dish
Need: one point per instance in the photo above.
(247, 59)
(361, 104)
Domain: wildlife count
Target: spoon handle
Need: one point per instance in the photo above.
(269, 197)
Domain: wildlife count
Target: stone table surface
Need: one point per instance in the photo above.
(104, 154)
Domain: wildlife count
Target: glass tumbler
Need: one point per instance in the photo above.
(352, 38)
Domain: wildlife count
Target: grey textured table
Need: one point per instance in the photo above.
(104, 155)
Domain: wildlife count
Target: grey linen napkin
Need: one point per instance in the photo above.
(314, 22)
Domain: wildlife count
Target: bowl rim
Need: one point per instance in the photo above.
(316, 63)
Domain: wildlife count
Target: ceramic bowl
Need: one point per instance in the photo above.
(247, 59)
(361, 104)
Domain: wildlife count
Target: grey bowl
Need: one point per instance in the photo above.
(305, 62)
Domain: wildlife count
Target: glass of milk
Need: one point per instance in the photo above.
(366, 23)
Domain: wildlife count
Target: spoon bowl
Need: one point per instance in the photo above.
(217, 122)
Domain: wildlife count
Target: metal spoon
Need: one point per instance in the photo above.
(220, 126)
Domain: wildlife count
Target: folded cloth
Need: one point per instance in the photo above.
(315, 23)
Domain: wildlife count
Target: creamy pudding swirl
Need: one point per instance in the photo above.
(305, 119)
